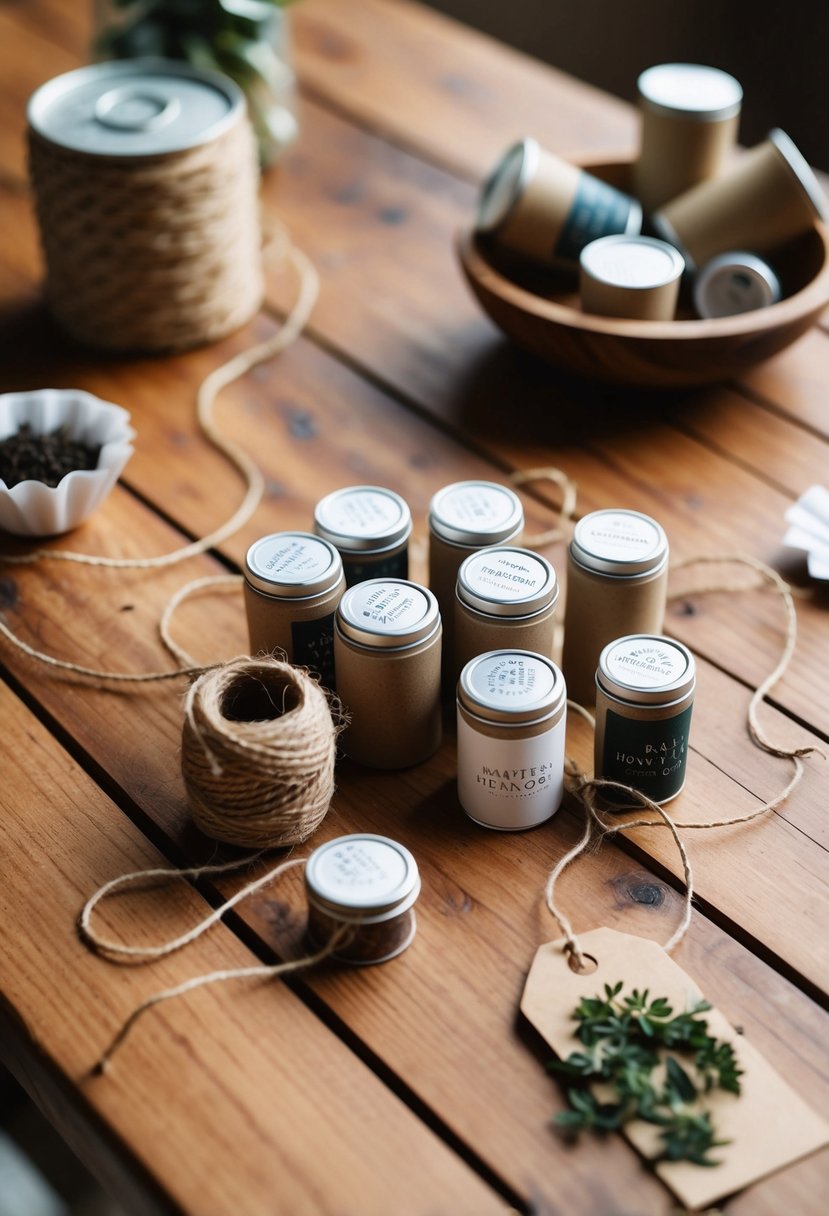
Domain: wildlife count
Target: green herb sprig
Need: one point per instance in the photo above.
(624, 1041)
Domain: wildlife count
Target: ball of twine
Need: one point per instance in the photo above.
(258, 751)
(152, 253)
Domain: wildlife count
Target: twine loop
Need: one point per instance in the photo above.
(257, 753)
(123, 953)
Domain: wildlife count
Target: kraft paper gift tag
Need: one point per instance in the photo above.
(768, 1124)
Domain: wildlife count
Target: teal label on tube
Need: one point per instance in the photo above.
(597, 210)
(650, 756)
(313, 647)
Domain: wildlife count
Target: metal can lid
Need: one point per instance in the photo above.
(645, 668)
(506, 183)
(388, 613)
(372, 877)
(293, 565)
(803, 173)
(361, 519)
(733, 283)
(619, 542)
(635, 262)
(513, 687)
(507, 582)
(476, 513)
(136, 107)
(690, 90)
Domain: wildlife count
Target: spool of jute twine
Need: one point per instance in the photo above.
(257, 753)
(151, 253)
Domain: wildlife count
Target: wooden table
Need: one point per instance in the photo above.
(414, 1087)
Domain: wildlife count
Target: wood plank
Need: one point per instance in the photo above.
(256, 1055)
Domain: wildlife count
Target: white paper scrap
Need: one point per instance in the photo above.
(818, 566)
(808, 531)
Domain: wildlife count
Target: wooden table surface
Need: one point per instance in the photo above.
(413, 1087)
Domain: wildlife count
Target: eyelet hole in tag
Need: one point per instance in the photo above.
(767, 1125)
(582, 964)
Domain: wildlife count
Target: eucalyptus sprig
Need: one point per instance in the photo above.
(625, 1039)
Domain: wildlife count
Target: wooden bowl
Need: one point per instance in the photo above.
(539, 309)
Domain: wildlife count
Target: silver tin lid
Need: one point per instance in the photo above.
(638, 263)
(619, 542)
(476, 513)
(803, 173)
(508, 582)
(646, 669)
(733, 283)
(506, 183)
(362, 877)
(690, 90)
(388, 613)
(134, 108)
(512, 687)
(363, 519)
(291, 565)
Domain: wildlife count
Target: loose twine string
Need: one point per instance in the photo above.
(122, 953)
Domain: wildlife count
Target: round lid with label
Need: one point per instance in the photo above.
(733, 283)
(385, 613)
(506, 183)
(635, 262)
(619, 542)
(507, 582)
(363, 518)
(135, 107)
(476, 513)
(512, 686)
(293, 564)
(362, 873)
(646, 669)
(690, 90)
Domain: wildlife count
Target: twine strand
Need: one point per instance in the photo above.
(259, 971)
(112, 949)
(120, 952)
(761, 692)
(566, 510)
(186, 660)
